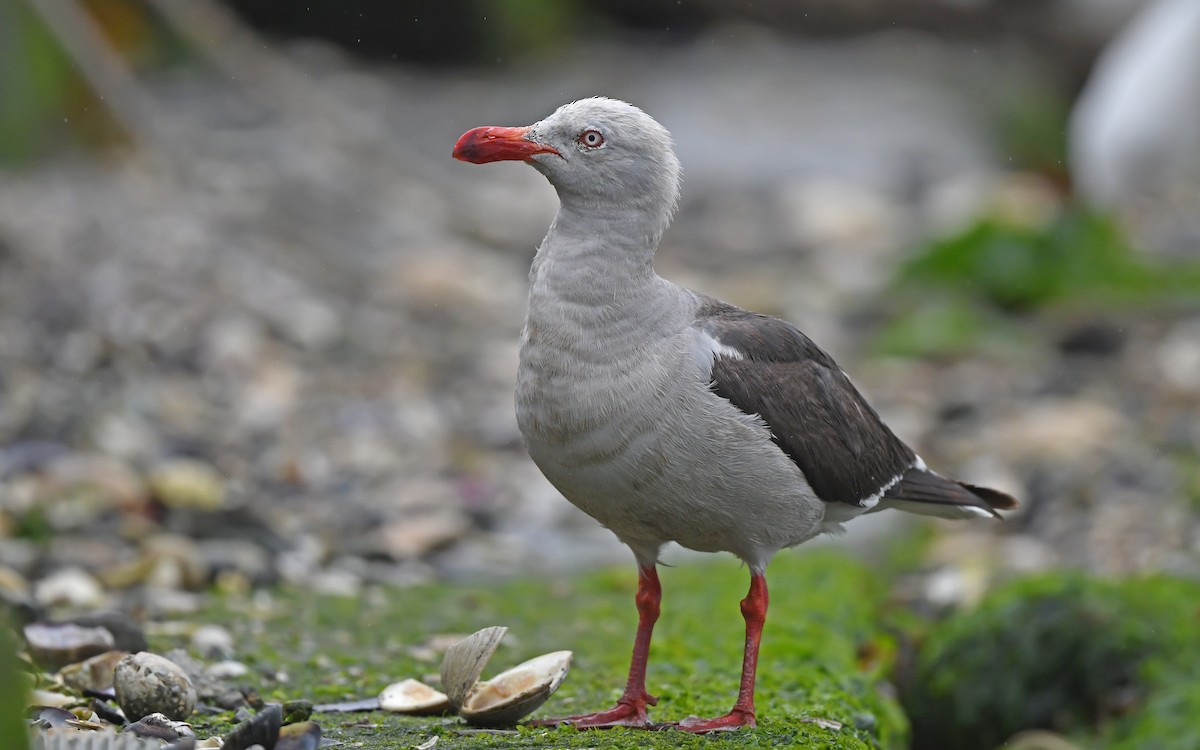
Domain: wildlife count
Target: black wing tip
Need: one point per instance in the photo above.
(995, 499)
(923, 486)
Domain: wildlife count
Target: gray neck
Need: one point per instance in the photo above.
(600, 259)
(593, 277)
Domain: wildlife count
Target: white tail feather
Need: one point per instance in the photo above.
(940, 510)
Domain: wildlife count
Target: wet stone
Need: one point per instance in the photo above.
(187, 483)
(212, 642)
(146, 683)
(94, 674)
(295, 711)
(55, 645)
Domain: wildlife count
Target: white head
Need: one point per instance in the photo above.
(603, 156)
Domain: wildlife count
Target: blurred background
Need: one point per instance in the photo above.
(255, 323)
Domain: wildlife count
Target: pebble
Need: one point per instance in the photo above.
(212, 642)
(95, 673)
(421, 534)
(296, 711)
(146, 683)
(176, 561)
(245, 557)
(227, 670)
(1179, 355)
(112, 482)
(69, 587)
(1063, 430)
(187, 483)
(55, 645)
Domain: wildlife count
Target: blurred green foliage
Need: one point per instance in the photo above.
(45, 104)
(13, 689)
(531, 26)
(1031, 128)
(33, 526)
(35, 82)
(1112, 662)
(977, 285)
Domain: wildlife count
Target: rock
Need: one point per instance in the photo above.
(227, 670)
(296, 711)
(1179, 355)
(212, 681)
(212, 642)
(238, 556)
(55, 645)
(176, 562)
(146, 683)
(1064, 430)
(418, 535)
(95, 673)
(113, 482)
(188, 483)
(335, 581)
(71, 587)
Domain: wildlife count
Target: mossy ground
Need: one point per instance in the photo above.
(823, 653)
(1111, 663)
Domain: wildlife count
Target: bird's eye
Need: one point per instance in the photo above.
(591, 138)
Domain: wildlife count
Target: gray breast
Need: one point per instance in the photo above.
(643, 445)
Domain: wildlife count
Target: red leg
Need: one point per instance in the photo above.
(630, 710)
(754, 610)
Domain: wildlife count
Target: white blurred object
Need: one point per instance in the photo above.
(1135, 130)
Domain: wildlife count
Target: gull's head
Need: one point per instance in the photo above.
(600, 154)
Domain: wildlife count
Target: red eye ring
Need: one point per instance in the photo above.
(591, 138)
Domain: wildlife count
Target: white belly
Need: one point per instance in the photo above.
(650, 452)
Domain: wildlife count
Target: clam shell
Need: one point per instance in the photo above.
(515, 693)
(464, 662)
(413, 697)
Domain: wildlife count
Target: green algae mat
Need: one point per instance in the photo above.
(821, 669)
(1104, 664)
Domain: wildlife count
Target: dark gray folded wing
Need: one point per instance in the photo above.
(765, 366)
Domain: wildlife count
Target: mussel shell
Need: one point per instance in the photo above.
(260, 729)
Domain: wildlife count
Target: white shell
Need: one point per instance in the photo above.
(464, 662)
(74, 739)
(413, 697)
(515, 693)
